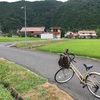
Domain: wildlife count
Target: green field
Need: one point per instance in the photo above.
(8, 39)
(80, 47)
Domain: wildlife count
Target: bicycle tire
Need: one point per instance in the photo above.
(94, 80)
(63, 75)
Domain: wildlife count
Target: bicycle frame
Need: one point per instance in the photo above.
(81, 77)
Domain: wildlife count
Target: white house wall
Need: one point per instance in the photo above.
(47, 36)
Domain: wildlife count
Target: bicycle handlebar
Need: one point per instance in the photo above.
(71, 58)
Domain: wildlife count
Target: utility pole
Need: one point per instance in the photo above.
(25, 23)
(24, 7)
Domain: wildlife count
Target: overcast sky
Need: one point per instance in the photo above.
(27, 0)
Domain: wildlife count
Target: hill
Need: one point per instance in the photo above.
(73, 14)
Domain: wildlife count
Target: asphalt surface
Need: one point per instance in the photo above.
(45, 64)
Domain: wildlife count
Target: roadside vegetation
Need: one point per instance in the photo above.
(40, 43)
(26, 85)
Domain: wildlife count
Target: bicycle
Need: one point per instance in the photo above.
(91, 80)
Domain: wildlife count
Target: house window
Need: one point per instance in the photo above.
(90, 33)
(70, 33)
(55, 30)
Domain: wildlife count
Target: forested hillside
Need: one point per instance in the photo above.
(73, 14)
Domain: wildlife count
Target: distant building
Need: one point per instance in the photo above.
(87, 34)
(81, 34)
(56, 31)
(36, 31)
(71, 34)
(68, 33)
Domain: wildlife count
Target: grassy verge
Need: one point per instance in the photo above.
(28, 85)
(5, 94)
(34, 44)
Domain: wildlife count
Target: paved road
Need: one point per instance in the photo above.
(45, 64)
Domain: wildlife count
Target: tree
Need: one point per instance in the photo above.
(98, 32)
(76, 14)
(63, 30)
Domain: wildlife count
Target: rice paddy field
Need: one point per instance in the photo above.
(80, 47)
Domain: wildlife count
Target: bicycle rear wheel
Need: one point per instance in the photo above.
(93, 84)
(63, 75)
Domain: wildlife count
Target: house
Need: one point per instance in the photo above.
(87, 34)
(71, 34)
(68, 34)
(36, 31)
(56, 31)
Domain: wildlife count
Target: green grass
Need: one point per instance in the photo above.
(18, 77)
(4, 93)
(8, 39)
(80, 47)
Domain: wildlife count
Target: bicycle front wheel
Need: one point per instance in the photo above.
(93, 84)
(63, 75)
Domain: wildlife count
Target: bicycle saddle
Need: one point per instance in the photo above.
(88, 66)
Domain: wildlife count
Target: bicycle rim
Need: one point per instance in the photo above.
(63, 75)
(93, 81)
